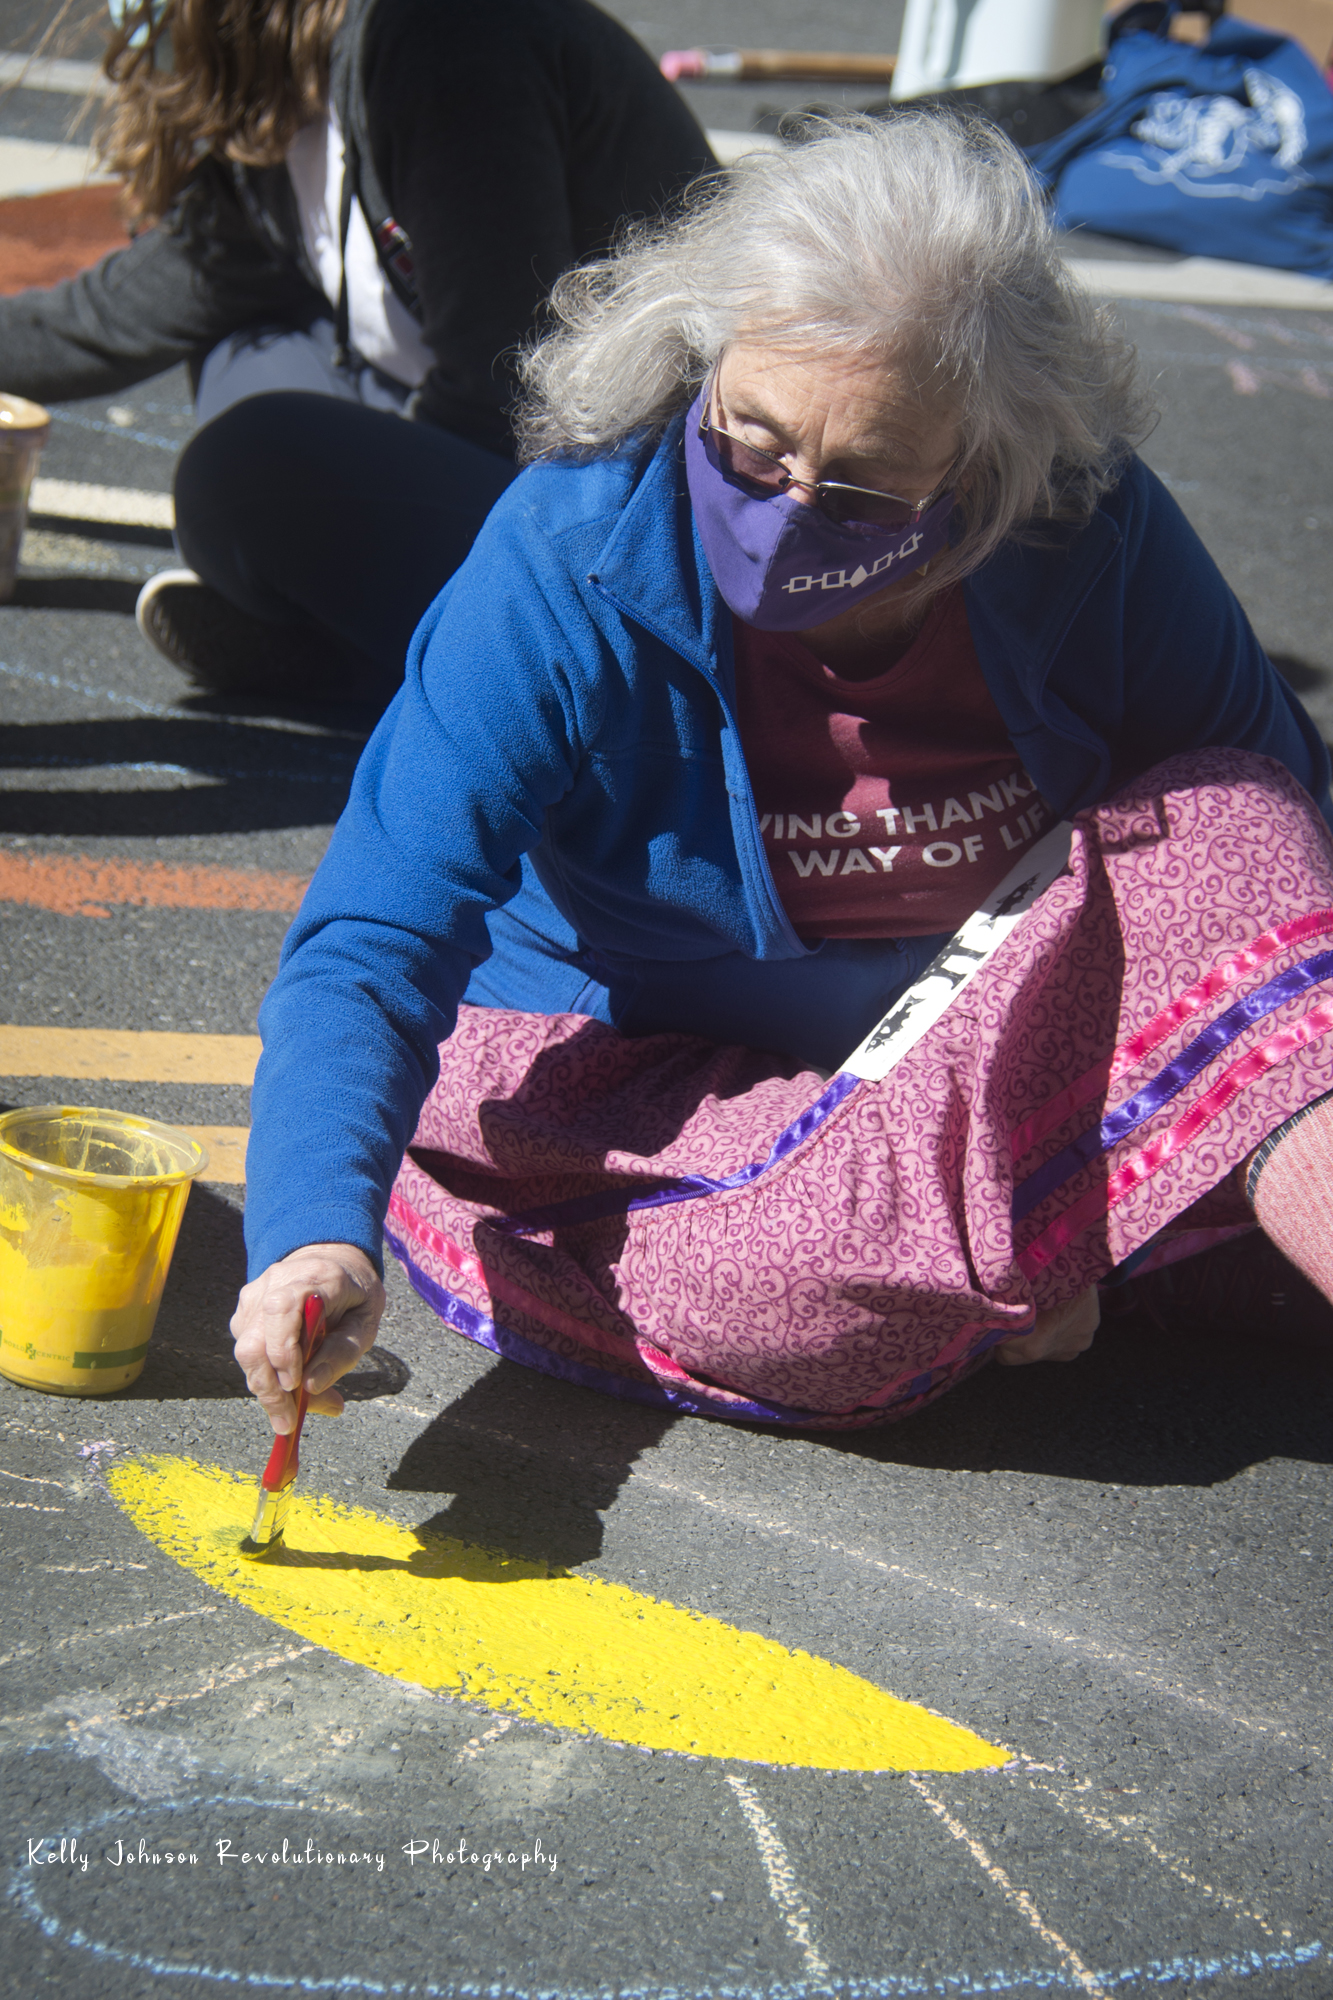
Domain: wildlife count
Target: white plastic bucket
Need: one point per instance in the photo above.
(947, 44)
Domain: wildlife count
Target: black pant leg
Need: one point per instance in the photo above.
(310, 512)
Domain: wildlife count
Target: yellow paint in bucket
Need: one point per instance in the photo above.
(576, 1652)
(90, 1208)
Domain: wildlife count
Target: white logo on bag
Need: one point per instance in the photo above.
(1198, 141)
(838, 579)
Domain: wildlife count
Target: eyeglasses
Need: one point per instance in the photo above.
(765, 475)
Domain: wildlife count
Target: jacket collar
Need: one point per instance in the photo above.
(652, 565)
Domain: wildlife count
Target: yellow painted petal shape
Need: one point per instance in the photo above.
(571, 1651)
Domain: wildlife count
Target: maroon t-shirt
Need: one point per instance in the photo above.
(889, 807)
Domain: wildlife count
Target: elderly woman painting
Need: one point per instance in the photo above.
(833, 582)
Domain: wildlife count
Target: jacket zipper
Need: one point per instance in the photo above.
(781, 921)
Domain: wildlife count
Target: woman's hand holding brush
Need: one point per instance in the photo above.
(267, 1327)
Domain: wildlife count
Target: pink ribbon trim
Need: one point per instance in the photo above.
(1126, 1057)
(1141, 1166)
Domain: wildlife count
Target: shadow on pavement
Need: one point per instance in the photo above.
(76, 593)
(254, 778)
(199, 741)
(1300, 674)
(190, 1353)
(1141, 1408)
(532, 1465)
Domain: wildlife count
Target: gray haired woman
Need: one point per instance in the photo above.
(832, 586)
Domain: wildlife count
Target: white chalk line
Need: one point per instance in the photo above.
(1204, 281)
(31, 1479)
(782, 1885)
(1017, 1899)
(1053, 1635)
(1124, 1827)
(893, 1986)
(781, 1877)
(476, 1744)
(33, 1507)
(108, 1632)
(85, 1569)
(222, 1678)
(57, 73)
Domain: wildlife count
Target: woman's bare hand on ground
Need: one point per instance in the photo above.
(1061, 1334)
(266, 1327)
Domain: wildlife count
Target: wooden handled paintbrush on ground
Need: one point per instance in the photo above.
(279, 1475)
(774, 66)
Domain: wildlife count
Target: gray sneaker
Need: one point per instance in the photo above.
(223, 650)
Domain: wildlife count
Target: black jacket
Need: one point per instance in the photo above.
(507, 140)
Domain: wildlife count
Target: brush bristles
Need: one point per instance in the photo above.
(271, 1512)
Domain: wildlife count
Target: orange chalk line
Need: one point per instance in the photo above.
(122, 1055)
(76, 885)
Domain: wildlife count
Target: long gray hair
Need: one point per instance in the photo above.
(921, 237)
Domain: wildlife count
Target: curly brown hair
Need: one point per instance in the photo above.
(244, 77)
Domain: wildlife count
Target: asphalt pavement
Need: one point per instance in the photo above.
(1116, 1573)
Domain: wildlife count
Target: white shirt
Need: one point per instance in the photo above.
(380, 328)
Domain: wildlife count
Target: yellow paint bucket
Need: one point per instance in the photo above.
(90, 1208)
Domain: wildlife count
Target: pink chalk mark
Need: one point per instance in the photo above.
(677, 63)
(1223, 328)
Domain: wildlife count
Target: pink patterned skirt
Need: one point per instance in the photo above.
(713, 1230)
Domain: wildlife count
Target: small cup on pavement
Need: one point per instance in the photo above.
(24, 429)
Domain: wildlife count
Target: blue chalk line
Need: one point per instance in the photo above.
(950, 1986)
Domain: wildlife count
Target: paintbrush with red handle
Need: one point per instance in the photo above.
(279, 1475)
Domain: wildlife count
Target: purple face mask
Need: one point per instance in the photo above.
(783, 566)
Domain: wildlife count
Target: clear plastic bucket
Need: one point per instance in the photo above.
(90, 1208)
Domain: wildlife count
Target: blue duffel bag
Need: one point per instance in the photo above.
(1222, 150)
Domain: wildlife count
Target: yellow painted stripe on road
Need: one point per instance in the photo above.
(573, 1652)
(123, 1055)
(225, 1146)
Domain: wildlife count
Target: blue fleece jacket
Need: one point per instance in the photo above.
(555, 813)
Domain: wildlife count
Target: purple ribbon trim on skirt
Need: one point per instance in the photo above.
(511, 1346)
(1195, 1056)
(686, 1187)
